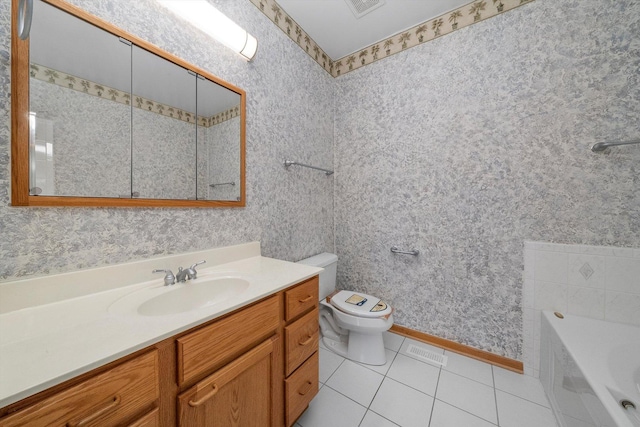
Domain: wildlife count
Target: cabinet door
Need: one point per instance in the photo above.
(239, 394)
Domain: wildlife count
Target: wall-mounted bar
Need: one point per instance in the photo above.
(222, 183)
(413, 252)
(288, 163)
(601, 146)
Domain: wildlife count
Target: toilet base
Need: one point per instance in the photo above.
(362, 348)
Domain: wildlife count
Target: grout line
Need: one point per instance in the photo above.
(465, 411)
(344, 395)
(381, 416)
(435, 393)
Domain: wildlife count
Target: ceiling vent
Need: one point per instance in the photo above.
(362, 7)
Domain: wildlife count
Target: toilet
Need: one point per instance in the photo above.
(351, 322)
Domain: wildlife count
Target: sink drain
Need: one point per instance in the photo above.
(627, 404)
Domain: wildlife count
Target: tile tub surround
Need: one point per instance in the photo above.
(465, 154)
(600, 282)
(289, 114)
(76, 324)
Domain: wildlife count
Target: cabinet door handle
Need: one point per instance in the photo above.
(306, 299)
(110, 406)
(307, 341)
(307, 388)
(194, 403)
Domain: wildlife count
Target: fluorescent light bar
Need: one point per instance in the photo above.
(207, 18)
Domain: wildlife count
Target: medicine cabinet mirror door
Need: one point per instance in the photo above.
(79, 109)
(219, 130)
(103, 118)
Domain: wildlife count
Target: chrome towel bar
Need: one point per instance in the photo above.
(222, 183)
(413, 252)
(601, 146)
(288, 163)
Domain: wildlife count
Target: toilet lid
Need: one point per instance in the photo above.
(361, 305)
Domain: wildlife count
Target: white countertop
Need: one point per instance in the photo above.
(58, 339)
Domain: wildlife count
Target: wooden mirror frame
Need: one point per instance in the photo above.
(20, 194)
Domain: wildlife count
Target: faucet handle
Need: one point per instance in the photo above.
(169, 278)
(193, 268)
(197, 264)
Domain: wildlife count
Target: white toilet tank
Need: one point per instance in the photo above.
(328, 277)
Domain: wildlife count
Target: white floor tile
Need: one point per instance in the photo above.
(408, 341)
(468, 367)
(523, 386)
(356, 382)
(329, 362)
(392, 341)
(330, 408)
(371, 419)
(416, 374)
(445, 415)
(516, 412)
(468, 395)
(382, 369)
(402, 404)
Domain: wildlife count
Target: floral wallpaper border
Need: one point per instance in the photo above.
(291, 28)
(79, 84)
(461, 17)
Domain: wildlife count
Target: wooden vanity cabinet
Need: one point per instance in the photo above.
(256, 366)
(302, 335)
(245, 351)
(239, 394)
(119, 396)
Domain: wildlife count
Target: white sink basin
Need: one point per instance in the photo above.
(181, 297)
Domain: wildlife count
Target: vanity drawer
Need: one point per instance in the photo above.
(301, 298)
(151, 419)
(107, 399)
(301, 340)
(208, 348)
(300, 388)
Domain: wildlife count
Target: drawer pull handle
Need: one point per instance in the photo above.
(307, 388)
(194, 403)
(305, 299)
(110, 406)
(307, 341)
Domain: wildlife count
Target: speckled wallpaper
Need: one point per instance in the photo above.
(468, 145)
(289, 115)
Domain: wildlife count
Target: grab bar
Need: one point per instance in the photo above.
(222, 183)
(288, 163)
(413, 252)
(601, 146)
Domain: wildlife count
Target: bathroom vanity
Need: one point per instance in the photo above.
(248, 358)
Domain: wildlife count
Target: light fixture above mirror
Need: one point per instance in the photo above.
(207, 18)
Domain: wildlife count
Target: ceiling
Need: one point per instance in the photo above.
(337, 31)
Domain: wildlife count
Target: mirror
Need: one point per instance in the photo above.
(111, 120)
(218, 130)
(164, 128)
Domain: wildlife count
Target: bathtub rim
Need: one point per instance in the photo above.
(572, 331)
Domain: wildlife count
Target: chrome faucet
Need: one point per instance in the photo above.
(169, 278)
(188, 273)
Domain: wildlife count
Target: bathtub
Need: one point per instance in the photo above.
(587, 367)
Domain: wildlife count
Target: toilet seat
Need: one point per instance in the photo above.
(360, 305)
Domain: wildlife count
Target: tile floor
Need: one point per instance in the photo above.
(409, 392)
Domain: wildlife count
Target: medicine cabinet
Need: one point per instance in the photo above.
(103, 118)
